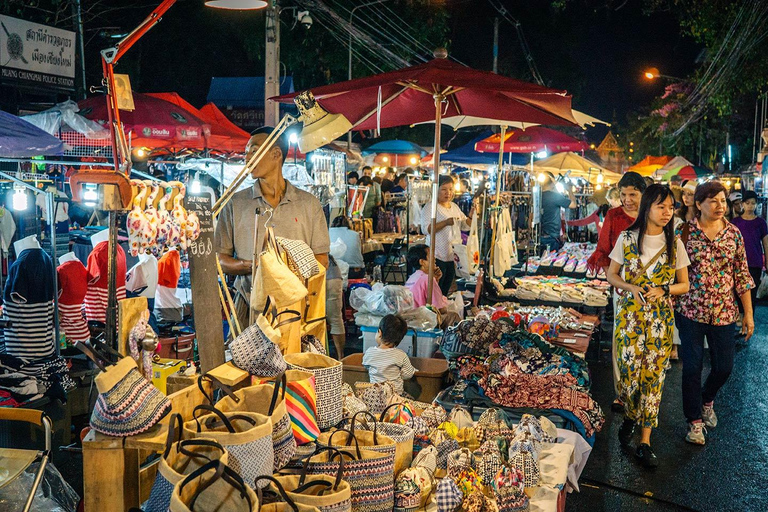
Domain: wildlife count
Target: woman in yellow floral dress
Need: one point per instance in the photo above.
(648, 266)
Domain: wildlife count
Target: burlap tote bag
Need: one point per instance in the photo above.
(180, 459)
(368, 439)
(327, 493)
(214, 487)
(328, 381)
(274, 278)
(401, 435)
(247, 436)
(268, 399)
(286, 505)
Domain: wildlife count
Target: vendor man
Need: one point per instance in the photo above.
(297, 215)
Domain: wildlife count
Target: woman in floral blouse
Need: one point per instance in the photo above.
(718, 267)
(648, 266)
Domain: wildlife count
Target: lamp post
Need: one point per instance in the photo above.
(653, 73)
(349, 69)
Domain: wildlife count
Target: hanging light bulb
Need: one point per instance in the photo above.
(600, 177)
(598, 187)
(19, 198)
(414, 160)
(293, 138)
(194, 188)
(542, 177)
(90, 195)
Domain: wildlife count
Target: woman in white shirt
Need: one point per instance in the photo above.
(648, 266)
(450, 222)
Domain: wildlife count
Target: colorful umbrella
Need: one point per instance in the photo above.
(670, 168)
(650, 164)
(469, 156)
(155, 123)
(578, 166)
(692, 172)
(532, 140)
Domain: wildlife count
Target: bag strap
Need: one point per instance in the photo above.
(295, 318)
(313, 483)
(350, 437)
(216, 383)
(353, 422)
(222, 471)
(650, 262)
(384, 412)
(279, 487)
(183, 445)
(175, 419)
(334, 452)
(280, 381)
(222, 417)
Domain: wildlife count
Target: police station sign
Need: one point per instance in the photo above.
(36, 54)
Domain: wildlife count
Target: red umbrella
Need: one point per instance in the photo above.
(155, 123)
(225, 135)
(439, 88)
(532, 140)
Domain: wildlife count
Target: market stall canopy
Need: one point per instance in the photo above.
(155, 123)
(673, 165)
(532, 140)
(405, 97)
(395, 147)
(457, 122)
(467, 155)
(579, 166)
(690, 172)
(20, 139)
(64, 117)
(650, 164)
(225, 135)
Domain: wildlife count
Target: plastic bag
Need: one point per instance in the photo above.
(420, 319)
(358, 297)
(456, 304)
(367, 319)
(344, 269)
(53, 494)
(382, 300)
(338, 249)
(762, 290)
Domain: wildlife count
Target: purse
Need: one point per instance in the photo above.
(434, 415)
(376, 396)
(398, 411)
(328, 374)
(427, 459)
(488, 461)
(467, 257)
(127, 404)
(247, 436)
(448, 497)
(350, 403)
(274, 278)
(423, 480)
(460, 460)
(180, 459)
(213, 487)
(461, 417)
(310, 343)
(257, 350)
(523, 457)
(268, 399)
(370, 440)
(301, 259)
(301, 403)
(400, 435)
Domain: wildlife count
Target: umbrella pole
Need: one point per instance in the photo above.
(439, 97)
(498, 190)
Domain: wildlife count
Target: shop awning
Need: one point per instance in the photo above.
(20, 139)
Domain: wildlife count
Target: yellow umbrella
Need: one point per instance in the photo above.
(579, 167)
(650, 164)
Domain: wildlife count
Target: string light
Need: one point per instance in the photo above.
(19, 198)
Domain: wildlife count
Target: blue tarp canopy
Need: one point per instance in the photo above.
(242, 92)
(468, 156)
(395, 147)
(20, 139)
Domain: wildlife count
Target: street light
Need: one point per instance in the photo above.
(349, 70)
(654, 73)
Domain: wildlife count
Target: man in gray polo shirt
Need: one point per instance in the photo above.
(297, 215)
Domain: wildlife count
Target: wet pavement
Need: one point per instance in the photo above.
(729, 473)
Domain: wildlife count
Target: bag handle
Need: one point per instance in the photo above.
(175, 418)
(353, 421)
(222, 417)
(282, 382)
(221, 471)
(334, 452)
(350, 437)
(295, 318)
(183, 445)
(384, 412)
(313, 483)
(279, 487)
(216, 383)
(645, 267)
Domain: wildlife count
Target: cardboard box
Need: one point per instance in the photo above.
(164, 368)
(431, 375)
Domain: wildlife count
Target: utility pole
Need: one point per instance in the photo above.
(78, 12)
(496, 45)
(272, 64)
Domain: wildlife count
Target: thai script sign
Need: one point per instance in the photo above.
(36, 54)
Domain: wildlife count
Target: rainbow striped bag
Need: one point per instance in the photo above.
(301, 402)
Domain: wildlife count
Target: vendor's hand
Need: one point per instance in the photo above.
(450, 221)
(653, 294)
(747, 327)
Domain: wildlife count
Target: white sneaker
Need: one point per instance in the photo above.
(708, 416)
(696, 433)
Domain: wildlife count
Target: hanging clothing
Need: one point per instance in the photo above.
(73, 285)
(143, 276)
(643, 332)
(96, 297)
(7, 229)
(168, 306)
(28, 304)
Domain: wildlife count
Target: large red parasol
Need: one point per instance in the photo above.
(532, 140)
(439, 88)
(155, 123)
(225, 135)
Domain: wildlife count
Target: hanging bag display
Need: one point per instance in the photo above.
(127, 404)
(247, 436)
(467, 257)
(257, 349)
(371, 476)
(505, 248)
(270, 400)
(180, 459)
(328, 380)
(274, 278)
(215, 487)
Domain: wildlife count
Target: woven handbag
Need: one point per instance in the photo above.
(267, 399)
(420, 434)
(327, 493)
(180, 459)
(301, 403)
(397, 411)
(301, 259)
(274, 278)
(434, 415)
(427, 458)
(522, 456)
(375, 395)
(370, 440)
(328, 380)
(400, 435)
(460, 417)
(257, 349)
(488, 461)
(247, 436)
(127, 403)
(460, 460)
(213, 487)
(286, 505)
(371, 476)
(351, 404)
(508, 487)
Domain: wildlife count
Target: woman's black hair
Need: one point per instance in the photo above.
(415, 254)
(445, 178)
(749, 194)
(654, 194)
(632, 179)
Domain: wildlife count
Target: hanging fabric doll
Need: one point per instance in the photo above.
(143, 338)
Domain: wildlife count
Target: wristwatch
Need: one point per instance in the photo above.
(665, 287)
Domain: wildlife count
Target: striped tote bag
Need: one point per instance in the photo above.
(301, 402)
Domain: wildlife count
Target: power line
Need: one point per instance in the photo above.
(496, 4)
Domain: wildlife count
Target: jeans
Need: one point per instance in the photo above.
(448, 268)
(722, 348)
(554, 243)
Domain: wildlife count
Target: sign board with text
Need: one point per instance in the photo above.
(36, 55)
